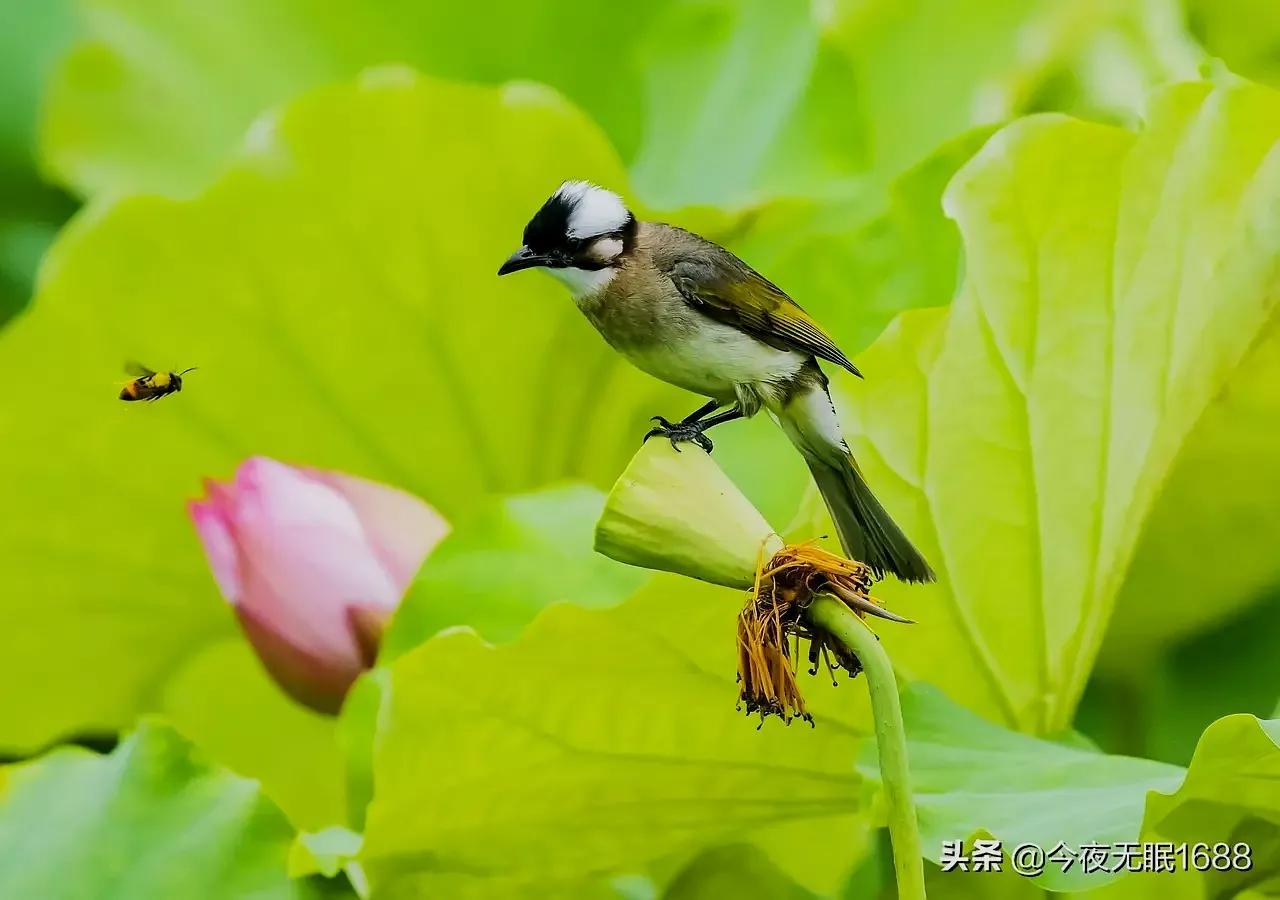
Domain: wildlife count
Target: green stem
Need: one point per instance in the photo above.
(833, 617)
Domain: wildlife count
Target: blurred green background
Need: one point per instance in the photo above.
(1048, 232)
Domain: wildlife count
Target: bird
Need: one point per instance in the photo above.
(691, 313)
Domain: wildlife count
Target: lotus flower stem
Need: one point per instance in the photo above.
(834, 617)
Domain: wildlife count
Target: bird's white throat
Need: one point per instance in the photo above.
(583, 283)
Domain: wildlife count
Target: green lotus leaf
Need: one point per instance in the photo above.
(1002, 885)
(739, 870)
(753, 100)
(926, 70)
(745, 101)
(151, 820)
(497, 570)
(363, 714)
(1227, 807)
(32, 214)
(1231, 796)
(609, 774)
(854, 266)
(336, 288)
(711, 102)
(31, 37)
(1115, 286)
(973, 778)
(1244, 33)
(1218, 513)
(122, 118)
(221, 701)
(599, 742)
(1196, 683)
(1095, 59)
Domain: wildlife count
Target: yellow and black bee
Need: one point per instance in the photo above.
(149, 385)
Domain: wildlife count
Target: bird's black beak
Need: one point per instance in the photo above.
(524, 258)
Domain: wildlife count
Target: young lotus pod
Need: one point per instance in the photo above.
(676, 510)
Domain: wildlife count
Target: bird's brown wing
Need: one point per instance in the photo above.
(714, 281)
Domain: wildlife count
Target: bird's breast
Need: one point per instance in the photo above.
(664, 336)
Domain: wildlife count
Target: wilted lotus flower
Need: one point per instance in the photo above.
(314, 563)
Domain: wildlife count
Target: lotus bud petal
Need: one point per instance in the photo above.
(314, 563)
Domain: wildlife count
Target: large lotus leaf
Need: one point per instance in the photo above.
(1244, 33)
(30, 215)
(757, 99)
(602, 741)
(745, 100)
(121, 114)
(973, 778)
(1197, 682)
(337, 289)
(497, 570)
(1002, 885)
(1229, 805)
(1160, 710)
(1218, 513)
(854, 266)
(854, 270)
(1097, 59)
(717, 102)
(1115, 284)
(712, 101)
(739, 870)
(31, 36)
(598, 742)
(221, 701)
(924, 68)
(152, 820)
(1231, 795)
(158, 93)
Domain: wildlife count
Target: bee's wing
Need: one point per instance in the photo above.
(133, 367)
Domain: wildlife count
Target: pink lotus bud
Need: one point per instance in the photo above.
(315, 563)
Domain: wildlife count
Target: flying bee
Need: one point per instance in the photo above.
(149, 385)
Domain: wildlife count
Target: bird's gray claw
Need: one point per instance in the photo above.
(680, 432)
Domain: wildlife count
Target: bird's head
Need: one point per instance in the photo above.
(579, 235)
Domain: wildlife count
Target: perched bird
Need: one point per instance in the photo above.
(689, 312)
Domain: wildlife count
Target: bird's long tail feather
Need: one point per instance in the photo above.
(867, 532)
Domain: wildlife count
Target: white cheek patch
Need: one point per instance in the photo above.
(595, 210)
(605, 250)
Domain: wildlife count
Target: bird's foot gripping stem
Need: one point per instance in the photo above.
(680, 433)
